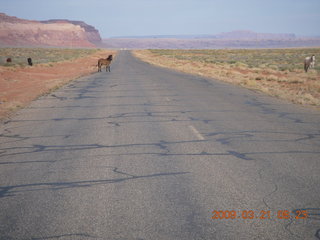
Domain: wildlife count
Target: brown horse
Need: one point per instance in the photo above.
(105, 62)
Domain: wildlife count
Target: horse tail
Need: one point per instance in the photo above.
(305, 66)
(99, 65)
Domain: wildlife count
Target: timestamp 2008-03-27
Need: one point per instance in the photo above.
(259, 214)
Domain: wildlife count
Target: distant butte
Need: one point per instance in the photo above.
(57, 33)
(234, 39)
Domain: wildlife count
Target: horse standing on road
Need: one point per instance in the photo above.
(105, 62)
(309, 63)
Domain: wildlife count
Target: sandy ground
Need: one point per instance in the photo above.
(20, 85)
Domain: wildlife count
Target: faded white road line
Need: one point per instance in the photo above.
(196, 132)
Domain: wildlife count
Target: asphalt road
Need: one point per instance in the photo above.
(147, 153)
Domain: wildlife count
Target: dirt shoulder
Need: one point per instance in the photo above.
(20, 85)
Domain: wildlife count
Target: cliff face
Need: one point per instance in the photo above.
(58, 33)
(91, 33)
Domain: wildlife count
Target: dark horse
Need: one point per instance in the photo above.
(29, 61)
(105, 62)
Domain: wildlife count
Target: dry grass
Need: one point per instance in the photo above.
(20, 83)
(277, 72)
(40, 55)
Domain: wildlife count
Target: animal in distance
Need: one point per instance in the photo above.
(106, 62)
(29, 61)
(309, 62)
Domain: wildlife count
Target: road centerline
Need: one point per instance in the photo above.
(196, 132)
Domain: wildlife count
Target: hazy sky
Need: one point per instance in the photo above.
(162, 17)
